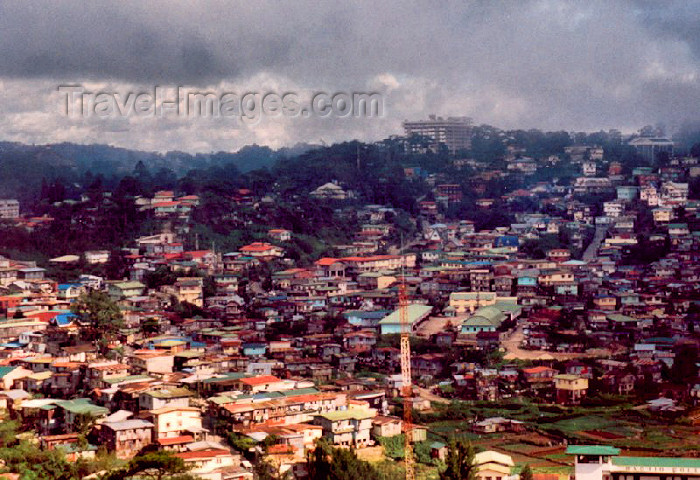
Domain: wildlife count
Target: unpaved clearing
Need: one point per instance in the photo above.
(514, 351)
(434, 325)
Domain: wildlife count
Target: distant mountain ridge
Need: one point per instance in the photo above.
(23, 167)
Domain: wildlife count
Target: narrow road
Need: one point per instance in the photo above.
(428, 395)
(592, 249)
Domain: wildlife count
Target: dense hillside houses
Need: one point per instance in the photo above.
(550, 302)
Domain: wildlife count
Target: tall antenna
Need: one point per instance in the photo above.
(407, 386)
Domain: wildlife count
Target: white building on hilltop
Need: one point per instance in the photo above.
(331, 191)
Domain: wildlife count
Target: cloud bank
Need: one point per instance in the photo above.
(534, 64)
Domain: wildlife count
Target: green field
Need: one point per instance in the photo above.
(634, 430)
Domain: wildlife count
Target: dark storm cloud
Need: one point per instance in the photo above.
(677, 19)
(161, 41)
(101, 42)
(547, 64)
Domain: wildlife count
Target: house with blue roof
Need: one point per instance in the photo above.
(254, 349)
(70, 291)
(527, 285)
(506, 241)
(64, 320)
(360, 318)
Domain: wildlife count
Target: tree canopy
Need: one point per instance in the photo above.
(459, 462)
(158, 465)
(100, 313)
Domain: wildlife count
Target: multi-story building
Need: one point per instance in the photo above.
(169, 397)
(126, 438)
(589, 168)
(380, 262)
(347, 427)
(673, 194)
(451, 191)
(570, 389)
(463, 302)
(613, 209)
(9, 208)
(650, 195)
(492, 465)
(650, 148)
(173, 422)
(453, 132)
(190, 289)
(120, 290)
(599, 462)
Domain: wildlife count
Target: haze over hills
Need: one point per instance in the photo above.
(23, 167)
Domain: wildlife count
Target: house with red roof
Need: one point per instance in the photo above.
(163, 209)
(329, 267)
(261, 383)
(163, 196)
(539, 374)
(280, 234)
(262, 250)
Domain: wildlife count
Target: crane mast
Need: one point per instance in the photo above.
(407, 388)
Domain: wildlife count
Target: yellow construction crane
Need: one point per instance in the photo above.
(407, 386)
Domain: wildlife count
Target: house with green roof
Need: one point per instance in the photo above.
(165, 397)
(619, 321)
(220, 383)
(79, 407)
(391, 324)
(602, 462)
(485, 319)
(120, 290)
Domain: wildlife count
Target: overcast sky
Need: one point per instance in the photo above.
(580, 65)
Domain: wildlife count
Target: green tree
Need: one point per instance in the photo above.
(460, 462)
(150, 325)
(82, 425)
(328, 463)
(685, 364)
(161, 276)
(35, 464)
(393, 446)
(422, 451)
(159, 465)
(695, 150)
(100, 313)
(265, 470)
(8, 433)
(526, 473)
(240, 442)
